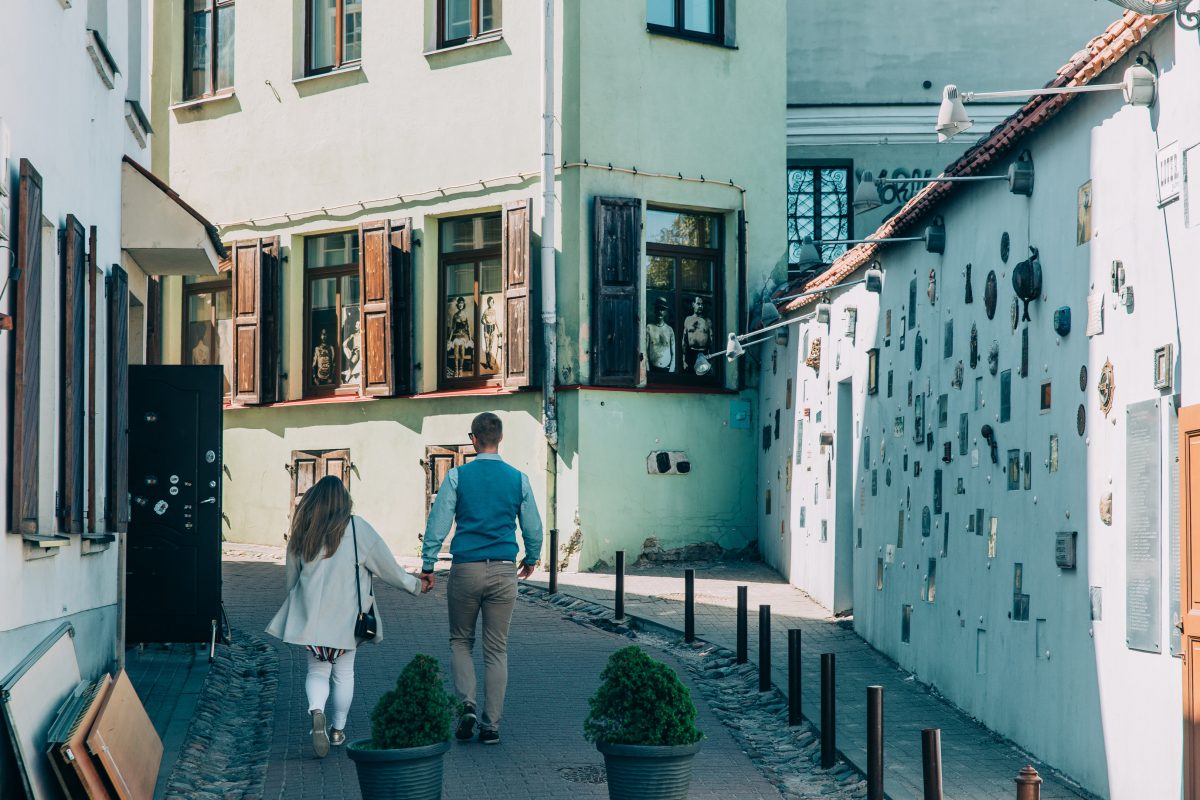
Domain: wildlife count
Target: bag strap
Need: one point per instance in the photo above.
(357, 587)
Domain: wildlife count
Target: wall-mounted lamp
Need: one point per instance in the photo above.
(735, 345)
(823, 310)
(934, 238)
(1139, 86)
(1019, 177)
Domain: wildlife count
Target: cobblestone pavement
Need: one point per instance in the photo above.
(977, 764)
(554, 665)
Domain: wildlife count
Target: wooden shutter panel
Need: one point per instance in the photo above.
(615, 320)
(336, 462)
(117, 289)
(305, 468)
(256, 280)
(375, 278)
(72, 356)
(27, 343)
(517, 247)
(93, 280)
(403, 318)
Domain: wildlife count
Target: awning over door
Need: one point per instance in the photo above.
(162, 233)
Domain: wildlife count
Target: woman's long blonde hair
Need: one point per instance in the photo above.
(319, 522)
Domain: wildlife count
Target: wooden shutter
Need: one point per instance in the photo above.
(309, 466)
(93, 280)
(72, 355)
(27, 342)
(117, 289)
(256, 280)
(403, 317)
(153, 320)
(615, 321)
(336, 462)
(375, 279)
(517, 248)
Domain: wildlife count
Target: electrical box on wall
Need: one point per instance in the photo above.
(668, 462)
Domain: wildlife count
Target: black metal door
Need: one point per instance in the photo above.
(173, 562)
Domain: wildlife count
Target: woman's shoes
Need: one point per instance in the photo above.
(320, 739)
(337, 738)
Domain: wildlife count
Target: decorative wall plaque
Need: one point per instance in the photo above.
(1004, 244)
(873, 371)
(1025, 352)
(1044, 397)
(1083, 214)
(1081, 420)
(1106, 387)
(1083, 378)
(1028, 470)
(926, 522)
(994, 357)
(814, 355)
(963, 424)
(889, 383)
(989, 295)
(957, 380)
(1027, 280)
(1064, 549)
(1095, 321)
(943, 406)
(937, 491)
(1164, 364)
(918, 351)
(1006, 395)
(1014, 470)
(887, 477)
(1014, 313)
(919, 418)
(993, 530)
(1143, 531)
(974, 347)
(1052, 463)
(968, 295)
(948, 340)
(1062, 320)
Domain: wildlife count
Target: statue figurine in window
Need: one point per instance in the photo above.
(697, 333)
(458, 339)
(660, 340)
(351, 346)
(491, 335)
(323, 361)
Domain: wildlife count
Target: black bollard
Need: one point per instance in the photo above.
(689, 605)
(795, 715)
(874, 743)
(742, 611)
(554, 561)
(619, 603)
(828, 712)
(931, 762)
(764, 648)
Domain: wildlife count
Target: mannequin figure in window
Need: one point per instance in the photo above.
(459, 339)
(660, 340)
(352, 348)
(324, 357)
(491, 331)
(697, 333)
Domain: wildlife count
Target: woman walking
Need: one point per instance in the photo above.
(325, 595)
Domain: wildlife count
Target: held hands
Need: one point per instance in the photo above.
(525, 571)
(428, 581)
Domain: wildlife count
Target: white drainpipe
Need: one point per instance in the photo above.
(548, 277)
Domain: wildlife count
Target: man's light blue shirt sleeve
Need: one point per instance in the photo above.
(531, 523)
(441, 519)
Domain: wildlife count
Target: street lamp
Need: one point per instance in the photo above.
(735, 345)
(1019, 177)
(1138, 85)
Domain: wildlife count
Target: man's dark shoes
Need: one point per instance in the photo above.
(466, 723)
(489, 737)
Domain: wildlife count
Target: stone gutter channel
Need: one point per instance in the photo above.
(789, 757)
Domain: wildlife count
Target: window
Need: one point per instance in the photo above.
(334, 35)
(683, 298)
(331, 323)
(818, 206)
(310, 466)
(472, 298)
(208, 323)
(693, 19)
(460, 21)
(208, 54)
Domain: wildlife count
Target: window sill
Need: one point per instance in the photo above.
(479, 391)
(41, 545)
(655, 389)
(90, 543)
(350, 70)
(225, 94)
(307, 401)
(698, 38)
(488, 38)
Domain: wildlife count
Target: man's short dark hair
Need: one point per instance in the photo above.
(487, 429)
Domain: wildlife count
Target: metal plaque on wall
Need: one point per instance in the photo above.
(1143, 542)
(1173, 531)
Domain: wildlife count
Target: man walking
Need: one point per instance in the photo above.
(484, 500)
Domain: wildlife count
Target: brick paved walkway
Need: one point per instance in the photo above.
(554, 665)
(976, 763)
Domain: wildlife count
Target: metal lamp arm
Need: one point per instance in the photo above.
(968, 97)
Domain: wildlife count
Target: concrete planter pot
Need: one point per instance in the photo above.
(412, 773)
(648, 772)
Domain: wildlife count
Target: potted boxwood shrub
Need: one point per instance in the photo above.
(643, 721)
(410, 732)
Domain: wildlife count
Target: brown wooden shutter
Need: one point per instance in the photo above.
(27, 343)
(517, 249)
(153, 320)
(336, 462)
(72, 356)
(256, 281)
(93, 280)
(375, 278)
(309, 466)
(117, 289)
(615, 319)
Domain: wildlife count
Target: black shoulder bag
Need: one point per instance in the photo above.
(365, 625)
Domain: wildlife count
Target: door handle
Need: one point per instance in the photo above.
(208, 500)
